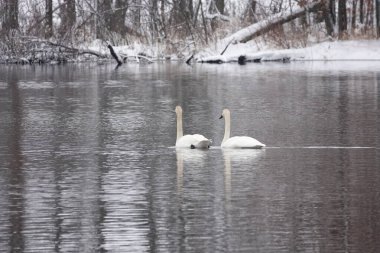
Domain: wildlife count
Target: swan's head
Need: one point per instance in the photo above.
(178, 109)
(225, 113)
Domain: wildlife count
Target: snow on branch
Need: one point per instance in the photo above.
(266, 25)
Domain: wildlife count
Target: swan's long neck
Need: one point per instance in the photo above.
(227, 127)
(179, 125)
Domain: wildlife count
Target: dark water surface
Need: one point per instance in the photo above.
(87, 164)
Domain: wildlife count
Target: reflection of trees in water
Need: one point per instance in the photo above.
(16, 179)
(191, 158)
(52, 178)
(354, 212)
(343, 115)
(357, 102)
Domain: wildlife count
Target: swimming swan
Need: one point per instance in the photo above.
(189, 140)
(236, 141)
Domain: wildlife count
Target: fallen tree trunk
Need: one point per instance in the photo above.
(266, 25)
(77, 50)
(35, 50)
(114, 55)
(41, 42)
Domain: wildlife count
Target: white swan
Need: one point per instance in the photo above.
(236, 141)
(189, 140)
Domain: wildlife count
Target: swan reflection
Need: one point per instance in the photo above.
(240, 158)
(193, 158)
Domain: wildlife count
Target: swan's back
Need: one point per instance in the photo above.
(193, 141)
(242, 142)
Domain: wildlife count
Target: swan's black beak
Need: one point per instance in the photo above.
(221, 117)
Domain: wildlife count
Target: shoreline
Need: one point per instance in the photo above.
(336, 51)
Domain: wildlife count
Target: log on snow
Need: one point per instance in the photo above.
(266, 25)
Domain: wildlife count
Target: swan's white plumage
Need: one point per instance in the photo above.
(189, 140)
(192, 141)
(236, 141)
(242, 142)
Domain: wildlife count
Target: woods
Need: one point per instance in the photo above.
(181, 25)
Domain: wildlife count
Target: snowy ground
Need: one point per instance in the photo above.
(359, 50)
(326, 51)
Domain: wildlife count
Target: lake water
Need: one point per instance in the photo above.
(87, 162)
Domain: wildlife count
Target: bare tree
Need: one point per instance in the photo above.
(332, 10)
(153, 11)
(136, 14)
(377, 13)
(68, 16)
(220, 6)
(342, 18)
(368, 22)
(118, 17)
(48, 18)
(353, 16)
(328, 16)
(163, 18)
(361, 11)
(103, 21)
(181, 17)
(10, 19)
(181, 10)
(251, 11)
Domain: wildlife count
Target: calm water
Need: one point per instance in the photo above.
(87, 162)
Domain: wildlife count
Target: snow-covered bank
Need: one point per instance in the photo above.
(358, 50)
(327, 51)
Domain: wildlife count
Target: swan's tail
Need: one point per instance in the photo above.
(258, 145)
(203, 144)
